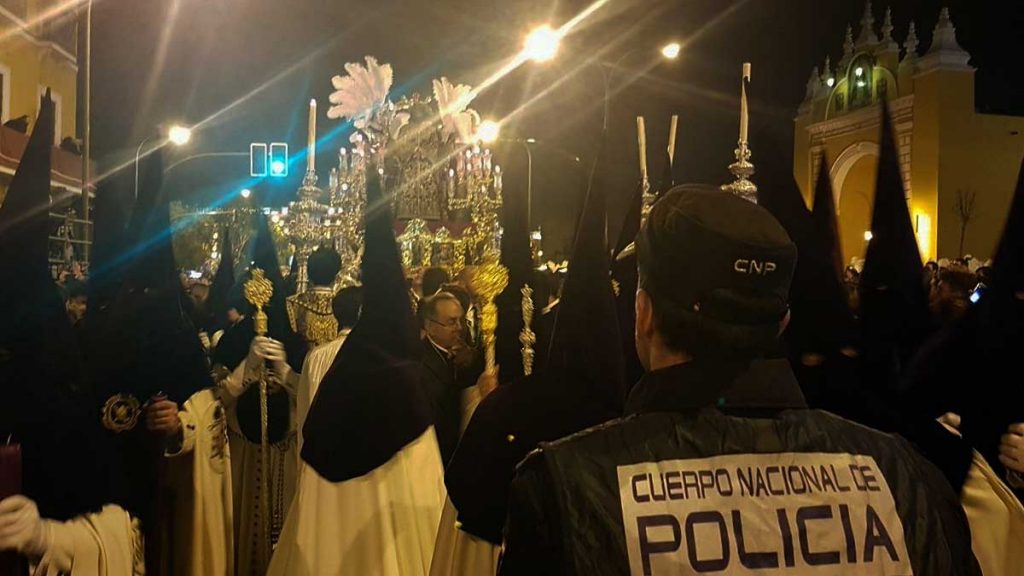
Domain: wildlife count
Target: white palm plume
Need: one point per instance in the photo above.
(452, 104)
(360, 94)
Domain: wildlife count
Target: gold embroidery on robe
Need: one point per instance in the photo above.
(312, 316)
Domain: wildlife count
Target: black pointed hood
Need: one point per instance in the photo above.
(145, 343)
(24, 227)
(516, 257)
(963, 368)
(894, 305)
(581, 384)
(223, 282)
(106, 267)
(821, 321)
(1008, 266)
(264, 256)
(152, 265)
(370, 404)
(43, 403)
(588, 304)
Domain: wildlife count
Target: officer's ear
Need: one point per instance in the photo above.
(644, 315)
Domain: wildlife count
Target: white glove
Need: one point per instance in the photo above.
(21, 528)
(274, 354)
(268, 351)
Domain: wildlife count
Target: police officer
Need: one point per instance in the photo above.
(719, 467)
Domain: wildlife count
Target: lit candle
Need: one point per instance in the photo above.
(10, 470)
(641, 135)
(672, 138)
(311, 147)
(743, 102)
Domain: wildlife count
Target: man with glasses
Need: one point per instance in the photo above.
(442, 319)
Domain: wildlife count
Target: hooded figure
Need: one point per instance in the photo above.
(370, 489)
(45, 407)
(223, 281)
(581, 384)
(962, 370)
(142, 348)
(894, 306)
(515, 256)
(821, 323)
(262, 483)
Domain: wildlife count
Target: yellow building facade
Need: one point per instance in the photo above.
(38, 51)
(958, 165)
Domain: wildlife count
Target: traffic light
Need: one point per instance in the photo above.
(257, 159)
(278, 159)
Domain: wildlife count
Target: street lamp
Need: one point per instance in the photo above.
(671, 50)
(527, 145)
(541, 44)
(177, 134)
(488, 131)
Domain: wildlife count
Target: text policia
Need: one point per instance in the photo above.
(784, 513)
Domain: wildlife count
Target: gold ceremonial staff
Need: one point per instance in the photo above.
(258, 291)
(489, 281)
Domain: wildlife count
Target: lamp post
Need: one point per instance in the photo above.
(527, 144)
(177, 135)
(542, 43)
(204, 155)
(669, 51)
(87, 127)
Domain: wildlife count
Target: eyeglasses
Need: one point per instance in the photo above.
(451, 324)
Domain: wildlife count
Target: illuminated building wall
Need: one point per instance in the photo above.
(947, 149)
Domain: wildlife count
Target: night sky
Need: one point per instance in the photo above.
(189, 60)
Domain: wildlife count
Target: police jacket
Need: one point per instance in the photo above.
(749, 481)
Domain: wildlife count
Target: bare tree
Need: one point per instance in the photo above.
(965, 211)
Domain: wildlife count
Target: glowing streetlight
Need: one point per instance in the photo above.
(671, 50)
(245, 193)
(179, 135)
(541, 44)
(488, 131)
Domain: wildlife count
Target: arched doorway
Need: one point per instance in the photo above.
(856, 197)
(853, 183)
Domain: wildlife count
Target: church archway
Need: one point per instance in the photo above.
(855, 187)
(845, 162)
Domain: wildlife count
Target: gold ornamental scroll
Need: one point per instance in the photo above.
(489, 281)
(258, 291)
(526, 337)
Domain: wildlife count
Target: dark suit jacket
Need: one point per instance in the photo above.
(444, 392)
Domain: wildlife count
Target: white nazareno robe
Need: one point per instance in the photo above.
(383, 523)
(199, 471)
